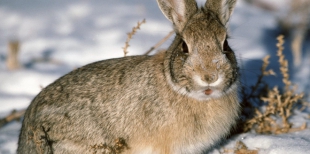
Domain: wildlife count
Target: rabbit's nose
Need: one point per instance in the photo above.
(211, 78)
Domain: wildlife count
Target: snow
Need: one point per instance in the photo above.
(293, 143)
(58, 36)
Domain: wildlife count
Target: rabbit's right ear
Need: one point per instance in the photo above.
(178, 11)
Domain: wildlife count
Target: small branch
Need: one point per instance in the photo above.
(159, 43)
(12, 60)
(129, 36)
(264, 72)
(15, 115)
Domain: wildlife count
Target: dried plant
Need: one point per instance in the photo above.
(159, 43)
(259, 83)
(251, 95)
(278, 105)
(240, 148)
(12, 59)
(129, 36)
(296, 23)
(119, 146)
(14, 115)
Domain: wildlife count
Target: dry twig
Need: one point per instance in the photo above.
(15, 115)
(12, 59)
(129, 36)
(240, 148)
(159, 43)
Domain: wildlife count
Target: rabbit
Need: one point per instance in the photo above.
(183, 100)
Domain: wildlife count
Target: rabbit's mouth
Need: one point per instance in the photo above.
(211, 92)
(208, 91)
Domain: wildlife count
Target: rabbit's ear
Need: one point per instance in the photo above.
(222, 8)
(178, 11)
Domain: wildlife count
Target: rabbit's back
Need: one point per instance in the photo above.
(96, 104)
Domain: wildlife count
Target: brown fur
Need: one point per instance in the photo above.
(154, 102)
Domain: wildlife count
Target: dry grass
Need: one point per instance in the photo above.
(159, 43)
(119, 146)
(13, 52)
(278, 104)
(296, 23)
(15, 115)
(240, 148)
(129, 36)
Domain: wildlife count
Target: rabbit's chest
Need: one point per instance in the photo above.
(201, 131)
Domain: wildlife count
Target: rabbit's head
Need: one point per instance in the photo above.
(202, 65)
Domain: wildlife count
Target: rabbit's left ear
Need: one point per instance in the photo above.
(178, 11)
(222, 8)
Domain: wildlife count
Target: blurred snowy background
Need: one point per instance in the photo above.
(57, 36)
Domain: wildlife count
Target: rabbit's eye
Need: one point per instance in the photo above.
(226, 47)
(184, 47)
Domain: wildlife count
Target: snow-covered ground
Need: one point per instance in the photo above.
(69, 34)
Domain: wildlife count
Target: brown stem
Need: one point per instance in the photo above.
(159, 43)
(13, 116)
